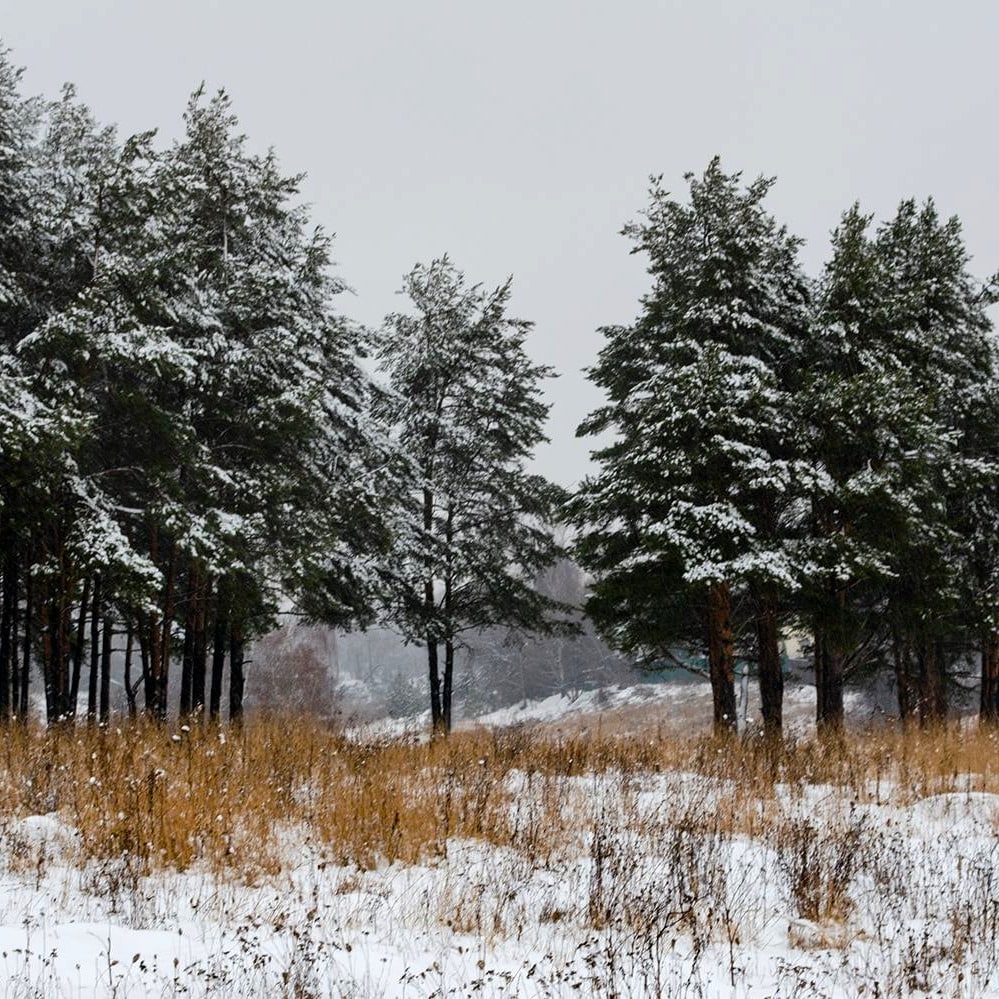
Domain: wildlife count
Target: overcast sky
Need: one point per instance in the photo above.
(518, 136)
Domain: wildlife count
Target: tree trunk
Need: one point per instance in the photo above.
(149, 637)
(430, 609)
(81, 634)
(163, 678)
(932, 684)
(26, 655)
(155, 646)
(818, 660)
(15, 671)
(436, 714)
(95, 631)
(721, 659)
(146, 632)
(107, 635)
(771, 673)
(200, 648)
(45, 624)
(55, 647)
(219, 641)
(903, 682)
(65, 625)
(187, 659)
(130, 690)
(988, 711)
(830, 715)
(57, 676)
(942, 704)
(448, 685)
(236, 678)
(830, 667)
(8, 607)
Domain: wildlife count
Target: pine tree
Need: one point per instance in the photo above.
(24, 423)
(466, 404)
(287, 478)
(976, 511)
(695, 500)
(224, 402)
(56, 519)
(901, 355)
(944, 336)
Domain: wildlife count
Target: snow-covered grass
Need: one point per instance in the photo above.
(285, 860)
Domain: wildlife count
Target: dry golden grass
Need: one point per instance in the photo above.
(229, 799)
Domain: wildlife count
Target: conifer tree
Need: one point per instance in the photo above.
(695, 499)
(229, 457)
(900, 364)
(467, 410)
(56, 520)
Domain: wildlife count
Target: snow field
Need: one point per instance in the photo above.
(505, 864)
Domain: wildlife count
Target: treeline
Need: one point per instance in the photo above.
(787, 454)
(189, 441)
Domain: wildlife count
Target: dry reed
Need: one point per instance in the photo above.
(227, 798)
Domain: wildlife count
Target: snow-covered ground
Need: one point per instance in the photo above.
(661, 885)
(681, 708)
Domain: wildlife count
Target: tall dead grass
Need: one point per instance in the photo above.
(229, 799)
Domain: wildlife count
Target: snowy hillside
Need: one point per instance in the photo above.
(681, 708)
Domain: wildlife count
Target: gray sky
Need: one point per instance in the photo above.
(519, 136)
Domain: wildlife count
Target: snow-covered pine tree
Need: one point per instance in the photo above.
(228, 444)
(49, 240)
(976, 512)
(466, 406)
(697, 492)
(900, 356)
(944, 336)
(88, 360)
(284, 493)
(21, 430)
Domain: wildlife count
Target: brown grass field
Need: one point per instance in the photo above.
(172, 798)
